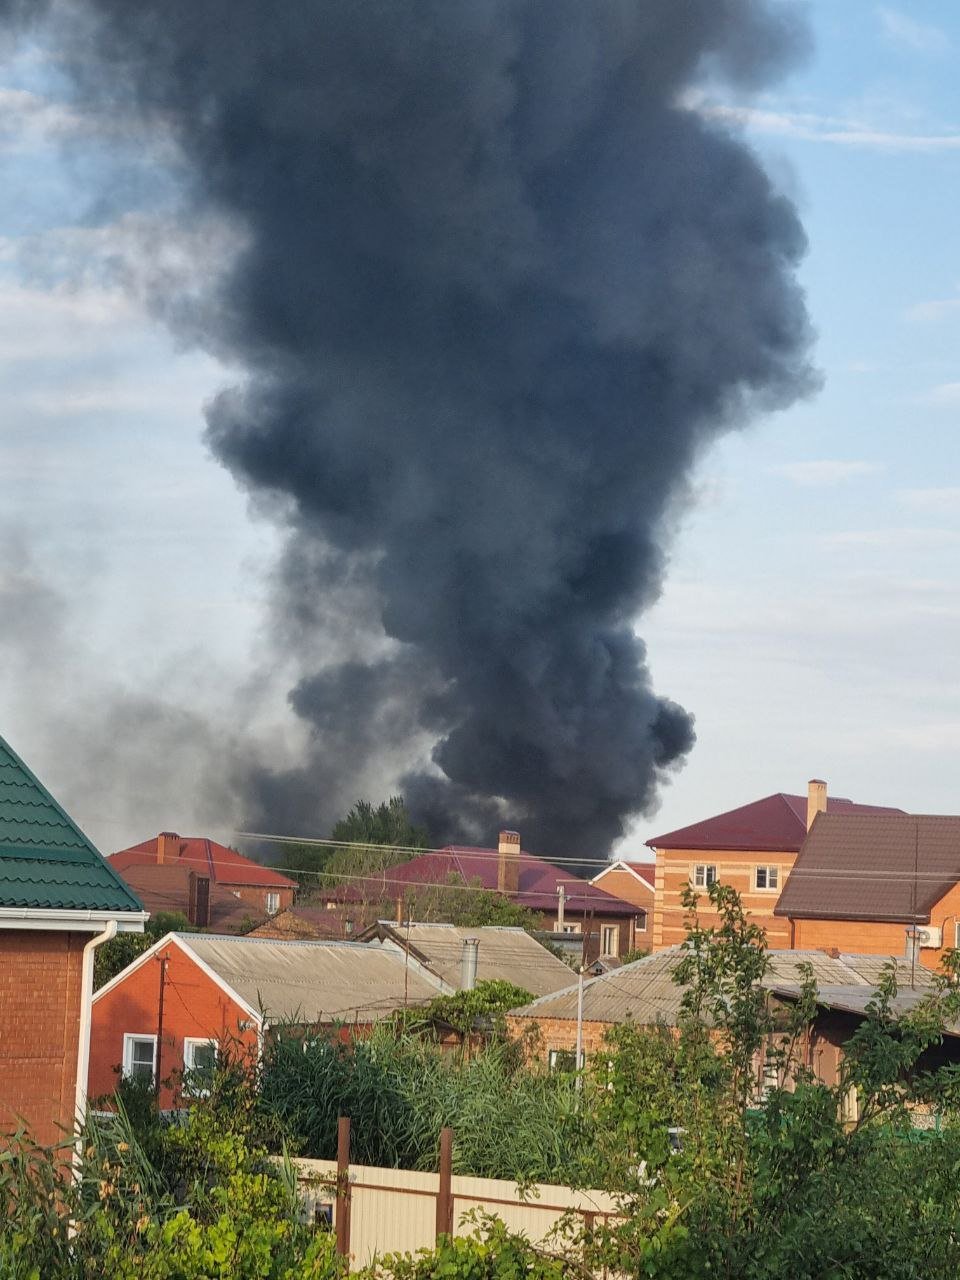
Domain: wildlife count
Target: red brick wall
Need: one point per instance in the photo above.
(193, 1005)
(40, 976)
(256, 896)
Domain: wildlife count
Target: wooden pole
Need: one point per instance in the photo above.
(445, 1190)
(343, 1187)
(158, 1056)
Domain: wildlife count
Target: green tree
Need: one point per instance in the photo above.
(373, 837)
(115, 955)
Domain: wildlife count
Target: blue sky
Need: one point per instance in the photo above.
(811, 613)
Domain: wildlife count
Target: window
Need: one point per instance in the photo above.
(704, 876)
(768, 878)
(273, 903)
(956, 934)
(139, 1057)
(199, 1063)
(610, 940)
(563, 1060)
(641, 925)
(566, 928)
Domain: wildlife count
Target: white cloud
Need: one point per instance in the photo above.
(921, 37)
(934, 309)
(944, 501)
(823, 472)
(835, 130)
(944, 396)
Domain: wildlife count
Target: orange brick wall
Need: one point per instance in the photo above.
(627, 888)
(40, 978)
(878, 937)
(675, 869)
(558, 1033)
(193, 1005)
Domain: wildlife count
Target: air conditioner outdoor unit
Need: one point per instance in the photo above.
(929, 935)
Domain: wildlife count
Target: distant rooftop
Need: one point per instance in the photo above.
(775, 824)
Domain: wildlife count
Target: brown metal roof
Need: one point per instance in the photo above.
(873, 866)
(645, 992)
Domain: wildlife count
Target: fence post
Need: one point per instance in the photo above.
(343, 1186)
(445, 1190)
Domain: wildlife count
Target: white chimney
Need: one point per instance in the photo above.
(816, 799)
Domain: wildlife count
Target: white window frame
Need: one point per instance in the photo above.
(129, 1039)
(614, 930)
(567, 926)
(704, 881)
(190, 1043)
(768, 887)
(554, 1054)
(272, 902)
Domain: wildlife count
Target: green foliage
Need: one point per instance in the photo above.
(467, 905)
(638, 953)
(198, 1201)
(400, 1091)
(484, 1006)
(490, 1253)
(386, 831)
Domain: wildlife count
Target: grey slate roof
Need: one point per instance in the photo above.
(872, 866)
(310, 982)
(645, 992)
(505, 954)
(46, 862)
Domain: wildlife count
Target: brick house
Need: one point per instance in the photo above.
(173, 1007)
(59, 900)
(882, 883)
(632, 882)
(752, 848)
(644, 993)
(562, 901)
(262, 890)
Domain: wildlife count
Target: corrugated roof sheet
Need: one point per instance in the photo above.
(855, 1000)
(312, 981)
(504, 954)
(645, 992)
(46, 862)
(775, 824)
(208, 858)
(891, 867)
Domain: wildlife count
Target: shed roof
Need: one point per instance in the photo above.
(46, 861)
(888, 867)
(775, 824)
(645, 991)
(311, 982)
(505, 954)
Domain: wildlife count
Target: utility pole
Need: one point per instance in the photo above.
(579, 1051)
(561, 903)
(164, 961)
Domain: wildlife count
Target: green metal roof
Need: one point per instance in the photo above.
(45, 859)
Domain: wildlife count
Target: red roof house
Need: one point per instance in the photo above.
(752, 848)
(262, 890)
(564, 901)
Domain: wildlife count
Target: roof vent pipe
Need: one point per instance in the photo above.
(468, 963)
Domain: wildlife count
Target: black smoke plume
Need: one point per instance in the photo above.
(501, 286)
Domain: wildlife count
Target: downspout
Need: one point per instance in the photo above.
(86, 1017)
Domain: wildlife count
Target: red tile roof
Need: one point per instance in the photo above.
(777, 824)
(166, 887)
(223, 866)
(890, 867)
(538, 884)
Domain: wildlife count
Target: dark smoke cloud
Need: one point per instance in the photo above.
(499, 290)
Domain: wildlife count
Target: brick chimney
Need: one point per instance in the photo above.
(816, 799)
(508, 862)
(168, 846)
